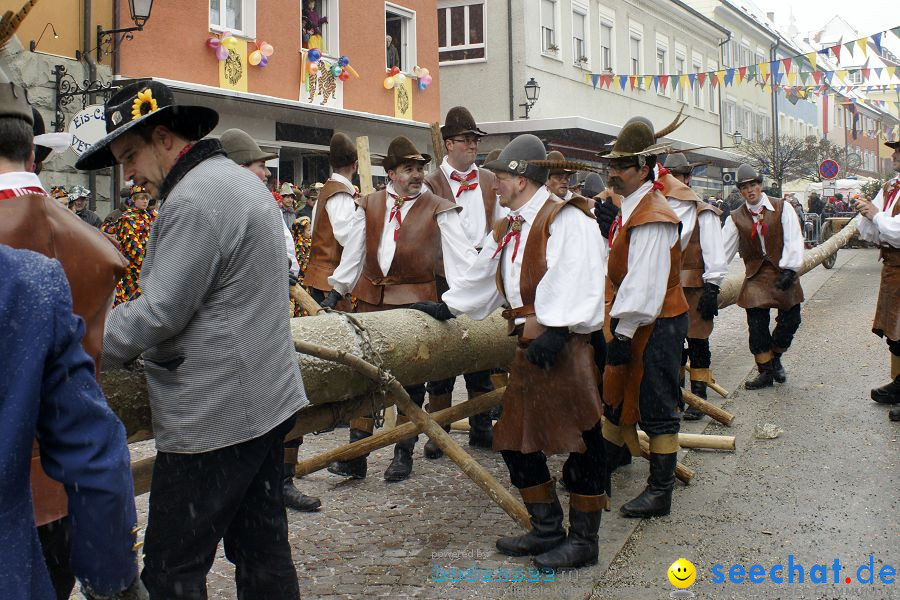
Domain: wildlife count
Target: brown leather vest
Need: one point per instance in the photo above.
(889, 254)
(92, 266)
(411, 276)
(325, 252)
(692, 265)
(652, 208)
(534, 262)
(674, 188)
(438, 184)
(750, 248)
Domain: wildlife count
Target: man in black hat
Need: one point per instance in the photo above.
(337, 224)
(545, 263)
(459, 180)
(881, 225)
(222, 373)
(407, 229)
(703, 268)
(770, 240)
(646, 318)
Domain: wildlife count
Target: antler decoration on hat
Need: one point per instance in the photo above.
(11, 21)
(675, 124)
(565, 165)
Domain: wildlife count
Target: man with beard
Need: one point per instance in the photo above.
(770, 240)
(558, 180)
(881, 226)
(646, 318)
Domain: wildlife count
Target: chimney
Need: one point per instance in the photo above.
(771, 16)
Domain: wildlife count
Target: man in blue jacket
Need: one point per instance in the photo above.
(48, 390)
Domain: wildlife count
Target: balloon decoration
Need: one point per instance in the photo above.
(424, 76)
(260, 56)
(339, 69)
(222, 44)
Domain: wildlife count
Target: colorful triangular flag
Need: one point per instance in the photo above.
(861, 42)
(791, 77)
(787, 64)
(647, 80)
(595, 79)
(878, 71)
(876, 39)
(817, 76)
(692, 78)
(623, 81)
(664, 81)
(849, 47)
(811, 57)
(631, 80)
(720, 77)
(729, 76)
(742, 74)
(701, 77)
(890, 71)
(683, 81)
(836, 49)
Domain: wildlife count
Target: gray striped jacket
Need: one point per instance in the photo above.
(212, 322)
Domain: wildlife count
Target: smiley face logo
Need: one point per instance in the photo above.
(682, 573)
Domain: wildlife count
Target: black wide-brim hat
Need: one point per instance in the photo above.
(145, 102)
(894, 144)
(459, 121)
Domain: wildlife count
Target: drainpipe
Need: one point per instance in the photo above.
(775, 111)
(92, 76)
(509, 43)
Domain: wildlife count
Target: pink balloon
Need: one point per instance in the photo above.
(426, 79)
(222, 53)
(213, 42)
(266, 49)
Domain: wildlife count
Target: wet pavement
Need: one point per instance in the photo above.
(826, 489)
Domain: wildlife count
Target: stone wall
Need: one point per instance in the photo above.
(34, 72)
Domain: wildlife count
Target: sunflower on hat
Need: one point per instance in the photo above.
(144, 104)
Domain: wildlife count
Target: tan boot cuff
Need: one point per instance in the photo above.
(629, 434)
(704, 375)
(588, 503)
(499, 380)
(664, 444)
(612, 433)
(763, 358)
(538, 494)
(363, 424)
(290, 456)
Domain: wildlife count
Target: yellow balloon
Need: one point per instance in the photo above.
(388, 83)
(255, 57)
(230, 42)
(682, 573)
(312, 68)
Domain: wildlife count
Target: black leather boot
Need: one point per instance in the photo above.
(698, 388)
(354, 468)
(546, 523)
(401, 466)
(294, 498)
(888, 394)
(778, 372)
(656, 499)
(764, 379)
(581, 547)
(481, 431)
(894, 415)
(437, 402)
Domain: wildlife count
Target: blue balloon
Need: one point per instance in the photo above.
(314, 54)
(343, 61)
(422, 86)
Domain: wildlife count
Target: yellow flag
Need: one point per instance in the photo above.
(720, 75)
(841, 73)
(861, 42)
(684, 82)
(791, 77)
(763, 70)
(648, 79)
(890, 71)
(403, 99)
(233, 70)
(811, 57)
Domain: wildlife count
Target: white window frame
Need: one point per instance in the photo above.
(696, 67)
(582, 10)
(679, 56)
(248, 15)
(729, 116)
(748, 125)
(713, 98)
(408, 56)
(607, 19)
(448, 4)
(545, 49)
(636, 33)
(662, 45)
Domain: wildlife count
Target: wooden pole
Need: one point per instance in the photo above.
(304, 300)
(697, 440)
(437, 144)
(365, 165)
(719, 414)
(717, 389)
(426, 424)
(381, 439)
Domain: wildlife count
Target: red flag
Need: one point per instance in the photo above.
(787, 64)
(663, 81)
(837, 51)
(742, 72)
(701, 77)
(817, 76)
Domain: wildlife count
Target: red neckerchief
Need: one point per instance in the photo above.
(759, 226)
(465, 181)
(22, 191)
(663, 172)
(395, 211)
(184, 151)
(614, 228)
(892, 195)
(514, 230)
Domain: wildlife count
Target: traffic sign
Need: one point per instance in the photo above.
(828, 169)
(728, 177)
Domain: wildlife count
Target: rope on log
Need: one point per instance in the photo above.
(424, 422)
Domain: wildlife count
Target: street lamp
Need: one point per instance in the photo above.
(140, 14)
(532, 93)
(33, 44)
(737, 137)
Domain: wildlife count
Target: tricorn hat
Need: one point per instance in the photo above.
(459, 121)
(402, 150)
(342, 152)
(517, 156)
(593, 185)
(677, 163)
(242, 149)
(145, 102)
(746, 174)
(556, 170)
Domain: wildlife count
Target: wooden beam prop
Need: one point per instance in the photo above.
(426, 424)
(365, 166)
(304, 300)
(717, 389)
(381, 439)
(699, 440)
(437, 144)
(719, 414)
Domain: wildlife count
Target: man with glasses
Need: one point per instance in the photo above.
(558, 179)
(459, 180)
(770, 240)
(646, 319)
